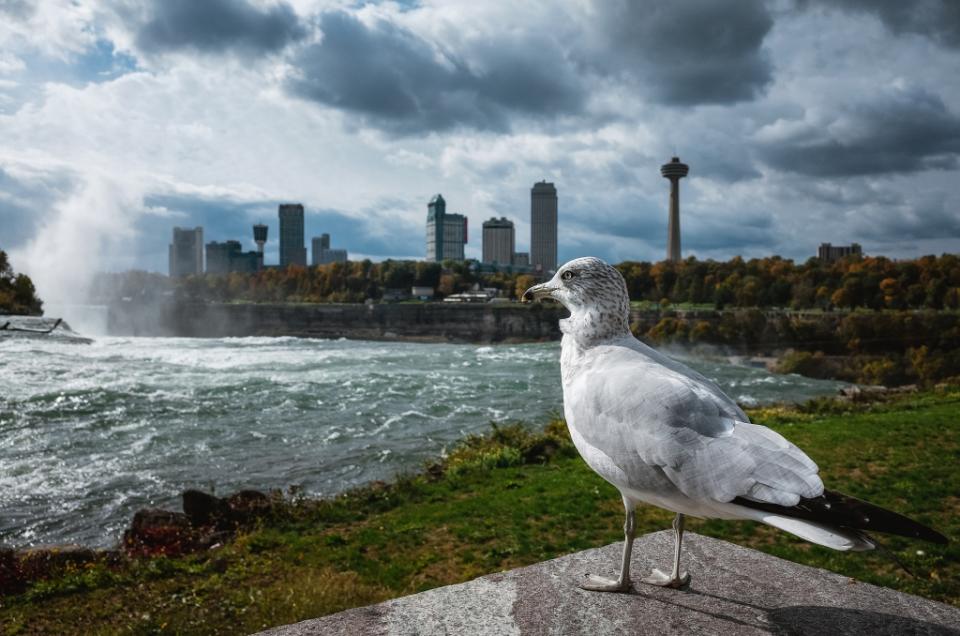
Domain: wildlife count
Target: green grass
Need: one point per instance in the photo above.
(501, 501)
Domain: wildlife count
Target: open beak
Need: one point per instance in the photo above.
(543, 290)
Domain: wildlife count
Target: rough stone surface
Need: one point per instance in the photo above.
(734, 590)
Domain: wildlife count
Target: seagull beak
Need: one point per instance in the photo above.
(543, 290)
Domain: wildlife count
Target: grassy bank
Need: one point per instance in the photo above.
(506, 500)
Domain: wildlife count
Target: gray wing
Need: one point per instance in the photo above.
(657, 424)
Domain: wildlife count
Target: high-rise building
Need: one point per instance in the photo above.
(186, 251)
(543, 227)
(498, 241)
(322, 254)
(454, 236)
(292, 250)
(828, 253)
(436, 210)
(674, 171)
(446, 233)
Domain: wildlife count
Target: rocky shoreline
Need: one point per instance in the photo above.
(206, 523)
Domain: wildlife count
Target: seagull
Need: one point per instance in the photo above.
(665, 435)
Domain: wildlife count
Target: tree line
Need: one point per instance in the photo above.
(873, 282)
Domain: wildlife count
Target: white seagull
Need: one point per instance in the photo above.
(665, 435)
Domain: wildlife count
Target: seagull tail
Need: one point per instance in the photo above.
(848, 518)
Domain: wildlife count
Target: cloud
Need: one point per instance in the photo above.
(686, 53)
(900, 131)
(25, 197)
(397, 81)
(216, 26)
(937, 19)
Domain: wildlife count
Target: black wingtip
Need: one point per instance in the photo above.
(836, 509)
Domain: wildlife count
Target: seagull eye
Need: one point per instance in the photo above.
(567, 275)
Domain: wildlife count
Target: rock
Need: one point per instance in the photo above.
(734, 590)
(11, 578)
(203, 509)
(155, 531)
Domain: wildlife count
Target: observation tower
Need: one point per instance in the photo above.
(260, 237)
(674, 171)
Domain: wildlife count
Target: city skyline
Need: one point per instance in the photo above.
(842, 117)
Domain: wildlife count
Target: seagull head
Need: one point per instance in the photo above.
(594, 292)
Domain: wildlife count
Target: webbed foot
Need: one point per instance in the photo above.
(659, 578)
(603, 584)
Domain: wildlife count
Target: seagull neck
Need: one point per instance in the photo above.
(591, 326)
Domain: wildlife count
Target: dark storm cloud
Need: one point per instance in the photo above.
(936, 19)
(687, 53)
(25, 204)
(216, 26)
(399, 82)
(926, 220)
(909, 131)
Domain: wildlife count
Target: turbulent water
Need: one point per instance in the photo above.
(89, 433)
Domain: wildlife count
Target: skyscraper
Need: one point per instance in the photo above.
(454, 236)
(543, 227)
(446, 233)
(186, 251)
(498, 241)
(436, 210)
(674, 171)
(292, 249)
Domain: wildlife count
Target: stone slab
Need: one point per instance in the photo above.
(734, 590)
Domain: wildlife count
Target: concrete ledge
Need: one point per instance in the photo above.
(734, 590)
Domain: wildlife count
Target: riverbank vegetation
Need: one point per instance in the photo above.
(500, 501)
(17, 294)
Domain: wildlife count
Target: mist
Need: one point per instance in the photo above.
(82, 234)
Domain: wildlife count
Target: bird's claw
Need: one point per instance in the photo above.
(661, 579)
(603, 584)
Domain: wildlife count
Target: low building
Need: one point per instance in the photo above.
(322, 254)
(422, 292)
(227, 257)
(521, 259)
(828, 253)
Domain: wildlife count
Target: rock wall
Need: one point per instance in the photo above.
(415, 321)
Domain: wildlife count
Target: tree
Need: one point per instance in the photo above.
(17, 293)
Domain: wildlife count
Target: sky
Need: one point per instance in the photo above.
(803, 121)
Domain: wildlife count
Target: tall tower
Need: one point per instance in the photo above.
(543, 227)
(292, 249)
(260, 238)
(674, 171)
(436, 211)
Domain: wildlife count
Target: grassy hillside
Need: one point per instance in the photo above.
(508, 499)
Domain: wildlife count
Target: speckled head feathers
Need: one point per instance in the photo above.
(596, 295)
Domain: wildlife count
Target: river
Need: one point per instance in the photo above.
(89, 433)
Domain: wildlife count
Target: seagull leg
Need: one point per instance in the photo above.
(604, 584)
(675, 580)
